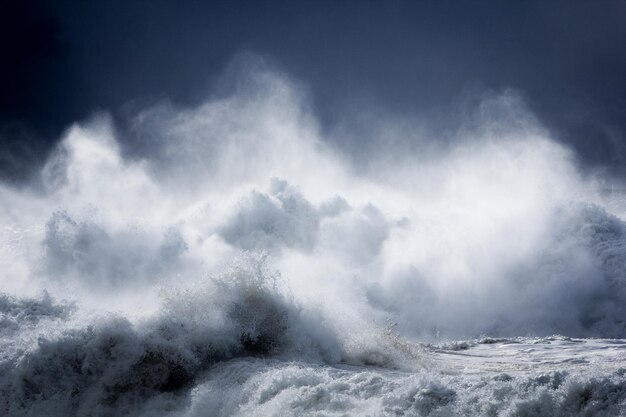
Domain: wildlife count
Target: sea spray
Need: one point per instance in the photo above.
(229, 256)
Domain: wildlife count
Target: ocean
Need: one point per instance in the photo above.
(228, 260)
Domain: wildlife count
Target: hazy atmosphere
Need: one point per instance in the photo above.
(313, 208)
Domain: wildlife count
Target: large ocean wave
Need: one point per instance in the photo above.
(235, 229)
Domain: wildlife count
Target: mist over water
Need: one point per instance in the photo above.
(146, 256)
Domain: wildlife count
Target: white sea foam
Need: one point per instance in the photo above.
(236, 229)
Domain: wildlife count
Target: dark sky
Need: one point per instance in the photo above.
(61, 60)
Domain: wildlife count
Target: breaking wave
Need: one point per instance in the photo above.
(187, 238)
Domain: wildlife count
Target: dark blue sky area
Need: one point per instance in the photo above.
(63, 59)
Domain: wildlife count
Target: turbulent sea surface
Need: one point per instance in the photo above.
(229, 260)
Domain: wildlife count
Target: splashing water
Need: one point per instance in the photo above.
(228, 259)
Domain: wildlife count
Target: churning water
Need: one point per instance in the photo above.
(228, 259)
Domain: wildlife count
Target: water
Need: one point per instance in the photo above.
(228, 259)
